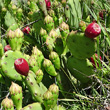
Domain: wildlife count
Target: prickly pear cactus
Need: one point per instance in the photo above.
(82, 69)
(80, 46)
(7, 64)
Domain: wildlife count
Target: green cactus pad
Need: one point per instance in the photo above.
(33, 106)
(81, 69)
(7, 64)
(80, 46)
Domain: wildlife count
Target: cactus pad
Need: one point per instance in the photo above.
(7, 64)
(80, 46)
(81, 69)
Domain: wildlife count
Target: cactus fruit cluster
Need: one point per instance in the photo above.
(47, 47)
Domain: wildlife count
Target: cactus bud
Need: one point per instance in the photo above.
(18, 33)
(55, 59)
(7, 104)
(47, 64)
(10, 34)
(39, 75)
(53, 34)
(16, 95)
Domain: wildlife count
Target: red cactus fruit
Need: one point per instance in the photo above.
(101, 14)
(97, 61)
(48, 4)
(21, 66)
(92, 30)
(26, 30)
(7, 47)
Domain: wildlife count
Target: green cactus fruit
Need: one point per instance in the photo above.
(33, 65)
(49, 67)
(41, 4)
(39, 75)
(52, 14)
(16, 95)
(38, 56)
(14, 8)
(7, 104)
(55, 92)
(19, 38)
(3, 12)
(12, 39)
(81, 69)
(82, 26)
(64, 29)
(33, 6)
(54, 57)
(49, 23)
(19, 14)
(43, 34)
(1, 50)
(49, 43)
(80, 46)
(48, 100)
(7, 64)
(33, 87)
(59, 107)
(53, 34)
(33, 106)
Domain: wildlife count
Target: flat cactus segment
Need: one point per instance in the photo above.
(7, 64)
(33, 87)
(80, 46)
(81, 69)
(33, 106)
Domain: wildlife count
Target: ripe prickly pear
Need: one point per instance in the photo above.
(48, 4)
(54, 57)
(92, 30)
(21, 66)
(26, 30)
(7, 104)
(7, 47)
(16, 95)
(95, 60)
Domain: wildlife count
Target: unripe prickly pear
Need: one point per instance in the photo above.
(19, 14)
(55, 92)
(19, 35)
(54, 57)
(14, 8)
(39, 75)
(38, 56)
(7, 104)
(92, 30)
(49, 23)
(82, 26)
(64, 29)
(16, 95)
(53, 34)
(21, 66)
(43, 34)
(48, 100)
(49, 67)
(33, 64)
(7, 47)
